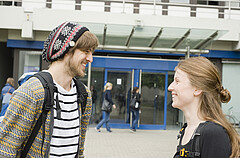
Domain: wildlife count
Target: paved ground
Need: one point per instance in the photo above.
(121, 143)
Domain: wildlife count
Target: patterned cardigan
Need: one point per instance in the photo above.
(24, 109)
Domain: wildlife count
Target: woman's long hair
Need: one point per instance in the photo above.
(204, 75)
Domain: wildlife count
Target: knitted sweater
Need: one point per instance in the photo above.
(24, 109)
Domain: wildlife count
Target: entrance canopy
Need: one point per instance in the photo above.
(153, 39)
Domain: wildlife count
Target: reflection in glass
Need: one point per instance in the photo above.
(172, 113)
(29, 61)
(97, 80)
(121, 81)
(153, 93)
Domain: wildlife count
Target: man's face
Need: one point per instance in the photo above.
(76, 63)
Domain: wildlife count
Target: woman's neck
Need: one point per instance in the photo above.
(192, 115)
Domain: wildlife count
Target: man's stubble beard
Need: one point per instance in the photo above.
(74, 70)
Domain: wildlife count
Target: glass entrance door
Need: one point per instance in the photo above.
(122, 81)
(153, 102)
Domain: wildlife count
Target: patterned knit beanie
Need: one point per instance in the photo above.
(61, 39)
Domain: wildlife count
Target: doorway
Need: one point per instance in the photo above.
(122, 82)
(153, 100)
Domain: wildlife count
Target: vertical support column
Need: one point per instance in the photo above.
(165, 100)
(136, 78)
(123, 6)
(105, 77)
(16, 65)
(132, 84)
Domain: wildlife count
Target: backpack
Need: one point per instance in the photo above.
(49, 88)
(195, 153)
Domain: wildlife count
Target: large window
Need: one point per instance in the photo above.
(29, 61)
(231, 78)
(97, 80)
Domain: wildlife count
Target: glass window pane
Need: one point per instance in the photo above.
(121, 81)
(29, 61)
(153, 94)
(97, 81)
(172, 113)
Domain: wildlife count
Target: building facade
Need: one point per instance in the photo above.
(141, 42)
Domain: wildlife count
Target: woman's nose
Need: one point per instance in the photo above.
(170, 87)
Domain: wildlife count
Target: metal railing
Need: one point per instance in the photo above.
(229, 9)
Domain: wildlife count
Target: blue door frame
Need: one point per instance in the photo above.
(136, 83)
(127, 64)
(115, 125)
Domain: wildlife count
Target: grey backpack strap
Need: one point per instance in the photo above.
(196, 150)
(81, 93)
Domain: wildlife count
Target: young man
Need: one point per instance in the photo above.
(69, 48)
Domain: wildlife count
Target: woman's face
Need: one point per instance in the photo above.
(182, 90)
(109, 87)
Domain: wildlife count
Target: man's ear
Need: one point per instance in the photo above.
(197, 92)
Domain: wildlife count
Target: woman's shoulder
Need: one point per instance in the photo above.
(213, 130)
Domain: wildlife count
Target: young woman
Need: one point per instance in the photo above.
(108, 96)
(135, 109)
(197, 91)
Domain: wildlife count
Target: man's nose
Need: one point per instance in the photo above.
(90, 57)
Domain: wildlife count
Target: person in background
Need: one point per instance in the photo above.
(68, 49)
(106, 114)
(94, 98)
(135, 109)
(6, 94)
(197, 90)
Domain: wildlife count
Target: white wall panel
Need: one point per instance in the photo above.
(92, 6)
(179, 11)
(207, 13)
(231, 81)
(63, 4)
(28, 5)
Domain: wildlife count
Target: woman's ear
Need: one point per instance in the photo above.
(197, 92)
